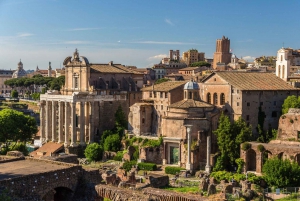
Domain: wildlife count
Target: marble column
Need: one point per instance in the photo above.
(82, 124)
(53, 121)
(67, 124)
(60, 121)
(48, 120)
(188, 163)
(42, 121)
(208, 167)
(179, 154)
(91, 123)
(73, 125)
(87, 116)
(165, 161)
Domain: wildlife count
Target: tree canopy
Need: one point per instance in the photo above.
(14, 94)
(281, 173)
(161, 80)
(200, 63)
(229, 137)
(15, 126)
(290, 102)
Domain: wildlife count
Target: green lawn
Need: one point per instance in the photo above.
(188, 189)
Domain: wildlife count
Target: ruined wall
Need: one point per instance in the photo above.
(152, 155)
(289, 125)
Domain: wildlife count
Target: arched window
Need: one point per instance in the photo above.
(215, 98)
(279, 71)
(283, 69)
(208, 98)
(222, 99)
(190, 95)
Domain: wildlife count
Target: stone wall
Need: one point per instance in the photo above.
(152, 155)
(289, 125)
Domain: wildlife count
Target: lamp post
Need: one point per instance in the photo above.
(188, 131)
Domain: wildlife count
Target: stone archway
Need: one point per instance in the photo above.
(251, 160)
(266, 155)
(58, 194)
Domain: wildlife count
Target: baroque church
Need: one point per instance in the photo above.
(86, 104)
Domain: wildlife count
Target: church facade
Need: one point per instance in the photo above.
(86, 104)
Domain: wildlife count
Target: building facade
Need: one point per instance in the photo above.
(241, 94)
(288, 63)
(192, 56)
(86, 105)
(5, 75)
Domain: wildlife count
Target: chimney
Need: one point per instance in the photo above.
(111, 63)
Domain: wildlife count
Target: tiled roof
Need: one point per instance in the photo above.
(48, 148)
(116, 68)
(255, 81)
(165, 86)
(190, 103)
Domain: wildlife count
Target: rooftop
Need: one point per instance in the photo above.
(165, 86)
(253, 80)
(189, 103)
(113, 68)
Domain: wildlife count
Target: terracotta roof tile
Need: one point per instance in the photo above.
(165, 86)
(189, 103)
(115, 68)
(255, 81)
(47, 149)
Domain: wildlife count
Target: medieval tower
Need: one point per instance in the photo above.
(222, 54)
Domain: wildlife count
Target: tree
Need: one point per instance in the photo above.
(229, 137)
(36, 96)
(93, 152)
(112, 143)
(15, 126)
(200, 63)
(161, 80)
(290, 102)
(120, 120)
(281, 173)
(14, 94)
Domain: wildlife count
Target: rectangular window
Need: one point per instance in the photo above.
(150, 94)
(247, 117)
(237, 91)
(154, 94)
(298, 135)
(76, 82)
(161, 107)
(232, 91)
(161, 94)
(274, 114)
(166, 95)
(274, 103)
(237, 104)
(261, 103)
(248, 104)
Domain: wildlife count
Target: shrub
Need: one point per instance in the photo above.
(93, 152)
(19, 147)
(147, 166)
(127, 165)
(240, 162)
(173, 170)
(246, 146)
(112, 143)
(119, 156)
(152, 143)
(261, 148)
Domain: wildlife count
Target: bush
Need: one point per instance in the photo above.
(127, 165)
(93, 152)
(246, 146)
(173, 170)
(112, 143)
(147, 166)
(119, 156)
(261, 148)
(152, 143)
(240, 162)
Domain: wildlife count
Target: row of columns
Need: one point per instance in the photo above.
(58, 122)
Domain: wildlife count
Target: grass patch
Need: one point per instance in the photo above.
(292, 197)
(193, 189)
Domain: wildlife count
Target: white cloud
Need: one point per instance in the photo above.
(76, 42)
(164, 43)
(21, 35)
(160, 56)
(84, 29)
(168, 21)
(248, 58)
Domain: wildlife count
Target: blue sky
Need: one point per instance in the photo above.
(141, 32)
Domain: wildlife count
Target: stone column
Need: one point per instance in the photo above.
(179, 154)
(87, 116)
(42, 121)
(53, 121)
(208, 167)
(60, 121)
(188, 164)
(48, 120)
(73, 125)
(67, 124)
(91, 123)
(82, 122)
(165, 161)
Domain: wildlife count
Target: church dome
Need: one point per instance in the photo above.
(20, 72)
(20, 63)
(233, 56)
(191, 85)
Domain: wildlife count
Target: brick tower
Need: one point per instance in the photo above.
(222, 54)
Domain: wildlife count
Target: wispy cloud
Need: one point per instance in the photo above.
(168, 21)
(21, 35)
(76, 42)
(164, 43)
(160, 56)
(84, 29)
(248, 58)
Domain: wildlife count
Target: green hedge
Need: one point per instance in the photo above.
(173, 170)
(147, 166)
